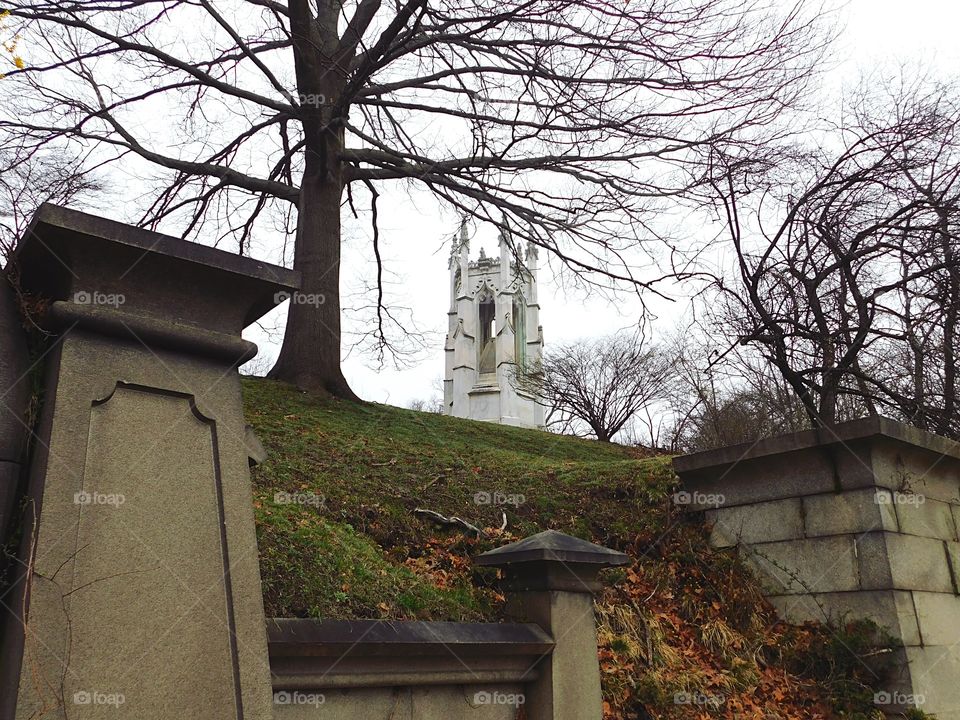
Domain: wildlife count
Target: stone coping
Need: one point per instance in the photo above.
(838, 434)
(294, 637)
(55, 229)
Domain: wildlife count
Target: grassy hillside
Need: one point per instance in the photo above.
(684, 632)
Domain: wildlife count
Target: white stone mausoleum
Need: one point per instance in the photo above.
(494, 325)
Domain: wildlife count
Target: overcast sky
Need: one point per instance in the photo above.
(877, 34)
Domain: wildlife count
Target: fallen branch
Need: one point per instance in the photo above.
(448, 521)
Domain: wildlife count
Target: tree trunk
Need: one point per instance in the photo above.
(601, 432)
(827, 412)
(310, 355)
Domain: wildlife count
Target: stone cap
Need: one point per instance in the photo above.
(840, 433)
(64, 250)
(309, 655)
(552, 546)
(292, 637)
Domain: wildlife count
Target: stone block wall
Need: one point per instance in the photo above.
(860, 521)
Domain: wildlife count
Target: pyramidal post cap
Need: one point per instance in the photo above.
(552, 546)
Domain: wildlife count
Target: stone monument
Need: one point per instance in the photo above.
(140, 591)
(493, 328)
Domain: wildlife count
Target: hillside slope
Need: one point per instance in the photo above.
(684, 632)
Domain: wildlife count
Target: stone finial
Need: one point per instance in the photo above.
(460, 247)
(552, 560)
(461, 240)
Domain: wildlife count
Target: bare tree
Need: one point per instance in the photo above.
(597, 385)
(563, 119)
(721, 398)
(860, 267)
(429, 405)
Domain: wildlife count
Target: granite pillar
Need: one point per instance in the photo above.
(140, 595)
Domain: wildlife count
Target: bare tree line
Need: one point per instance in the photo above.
(837, 295)
(846, 272)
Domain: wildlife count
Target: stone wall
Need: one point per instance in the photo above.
(341, 670)
(860, 521)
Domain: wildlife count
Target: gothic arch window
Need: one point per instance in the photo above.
(520, 328)
(487, 345)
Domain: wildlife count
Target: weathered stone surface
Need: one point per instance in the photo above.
(473, 701)
(548, 579)
(145, 580)
(953, 562)
(367, 668)
(904, 562)
(854, 511)
(803, 566)
(568, 687)
(934, 672)
(930, 468)
(403, 641)
(862, 484)
(9, 478)
(891, 609)
(939, 617)
(757, 480)
(918, 563)
(873, 562)
(552, 547)
(760, 522)
(15, 395)
(13, 382)
(920, 515)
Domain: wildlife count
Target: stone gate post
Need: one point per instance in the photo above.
(550, 579)
(140, 595)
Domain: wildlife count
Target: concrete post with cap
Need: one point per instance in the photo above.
(550, 579)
